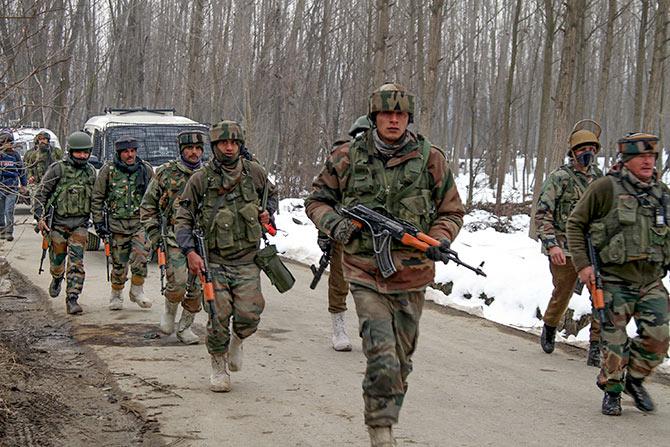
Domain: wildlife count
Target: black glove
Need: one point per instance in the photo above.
(435, 253)
(343, 231)
(324, 242)
(101, 230)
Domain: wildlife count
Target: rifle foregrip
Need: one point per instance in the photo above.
(161, 257)
(409, 240)
(597, 297)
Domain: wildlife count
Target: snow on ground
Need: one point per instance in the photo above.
(518, 276)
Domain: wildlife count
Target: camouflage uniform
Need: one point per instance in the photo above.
(122, 193)
(68, 188)
(225, 202)
(560, 193)
(628, 222)
(38, 159)
(160, 202)
(414, 184)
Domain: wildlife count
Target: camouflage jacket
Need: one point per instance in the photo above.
(416, 184)
(560, 193)
(69, 189)
(226, 210)
(119, 192)
(629, 226)
(38, 160)
(162, 199)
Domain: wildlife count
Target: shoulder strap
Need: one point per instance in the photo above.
(425, 154)
(580, 186)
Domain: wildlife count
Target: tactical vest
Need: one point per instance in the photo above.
(230, 221)
(72, 197)
(403, 191)
(631, 230)
(124, 198)
(173, 179)
(573, 191)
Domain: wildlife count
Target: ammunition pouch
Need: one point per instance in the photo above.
(268, 261)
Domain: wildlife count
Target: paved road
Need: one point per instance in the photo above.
(475, 383)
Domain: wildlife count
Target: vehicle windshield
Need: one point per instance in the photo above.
(157, 143)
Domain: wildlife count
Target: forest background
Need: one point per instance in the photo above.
(498, 83)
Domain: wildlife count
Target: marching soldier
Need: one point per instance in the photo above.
(560, 193)
(65, 191)
(627, 215)
(223, 200)
(40, 157)
(158, 217)
(118, 191)
(391, 168)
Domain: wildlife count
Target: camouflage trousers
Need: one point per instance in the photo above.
(389, 328)
(338, 287)
(638, 356)
(564, 278)
(68, 243)
(129, 250)
(181, 287)
(238, 296)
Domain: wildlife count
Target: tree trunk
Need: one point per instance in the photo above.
(434, 46)
(379, 55)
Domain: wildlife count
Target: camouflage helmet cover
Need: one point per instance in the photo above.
(391, 97)
(636, 143)
(226, 130)
(190, 138)
(79, 141)
(361, 124)
(44, 134)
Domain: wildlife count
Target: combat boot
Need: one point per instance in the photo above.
(235, 353)
(340, 339)
(593, 358)
(219, 381)
(116, 300)
(54, 287)
(639, 394)
(547, 339)
(136, 295)
(611, 404)
(381, 437)
(167, 319)
(73, 308)
(184, 332)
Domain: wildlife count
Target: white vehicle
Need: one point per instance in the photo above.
(24, 138)
(155, 130)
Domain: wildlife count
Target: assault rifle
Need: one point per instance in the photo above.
(206, 275)
(384, 229)
(106, 240)
(161, 253)
(323, 263)
(596, 287)
(45, 238)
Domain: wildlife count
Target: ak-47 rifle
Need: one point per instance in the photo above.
(596, 287)
(385, 228)
(161, 253)
(324, 260)
(45, 238)
(206, 275)
(106, 240)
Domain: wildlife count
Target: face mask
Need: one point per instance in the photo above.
(585, 158)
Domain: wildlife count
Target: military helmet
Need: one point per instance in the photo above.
(635, 143)
(125, 142)
(391, 97)
(6, 137)
(44, 134)
(583, 137)
(190, 137)
(226, 130)
(79, 141)
(361, 124)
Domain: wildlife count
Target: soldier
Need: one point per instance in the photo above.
(338, 288)
(119, 190)
(40, 157)
(560, 193)
(67, 186)
(223, 199)
(158, 208)
(12, 182)
(627, 215)
(393, 169)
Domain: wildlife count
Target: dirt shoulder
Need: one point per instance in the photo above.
(55, 391)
